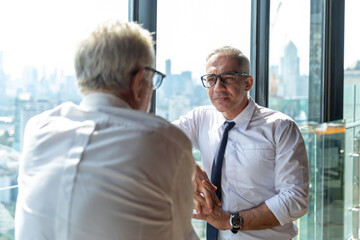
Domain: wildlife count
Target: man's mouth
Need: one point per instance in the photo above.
(220, 98)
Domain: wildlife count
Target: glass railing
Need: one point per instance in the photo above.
(325, 145)
(333, 170)
(9, 162)
(7, 211)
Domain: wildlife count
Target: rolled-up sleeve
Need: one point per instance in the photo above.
(291, 175)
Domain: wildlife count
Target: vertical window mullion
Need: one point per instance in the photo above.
(333, 61)
(145, 13)
(259, 55)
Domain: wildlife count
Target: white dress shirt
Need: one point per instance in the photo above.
(265, 161)
(103, 171)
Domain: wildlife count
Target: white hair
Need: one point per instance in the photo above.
(114, 51)
(244, 62)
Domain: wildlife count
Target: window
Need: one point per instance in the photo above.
(289, 58)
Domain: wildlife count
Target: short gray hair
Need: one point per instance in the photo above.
(107, 58)
(244, 62)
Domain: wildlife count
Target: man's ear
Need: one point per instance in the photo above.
(137, 84)
(249, 81)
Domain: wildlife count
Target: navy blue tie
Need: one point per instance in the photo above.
(212, 232)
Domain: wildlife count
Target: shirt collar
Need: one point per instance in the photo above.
(242, 120)
(98, 99)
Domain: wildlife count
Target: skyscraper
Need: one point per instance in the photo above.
(290, 70)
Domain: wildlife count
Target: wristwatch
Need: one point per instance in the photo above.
(236, 222)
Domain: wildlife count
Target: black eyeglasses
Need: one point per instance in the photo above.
(157, 78)
(226, 78)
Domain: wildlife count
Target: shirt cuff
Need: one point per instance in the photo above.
(281, 213)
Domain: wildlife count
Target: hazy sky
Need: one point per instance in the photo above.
(44, 33)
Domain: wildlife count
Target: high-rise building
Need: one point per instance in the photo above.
(176, 93)
(30, 80)
(290, 70)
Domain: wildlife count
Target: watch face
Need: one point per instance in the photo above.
(236, 221)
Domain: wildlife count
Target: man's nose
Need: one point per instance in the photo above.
(219, 86)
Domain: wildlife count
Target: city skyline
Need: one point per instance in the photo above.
(50, 44)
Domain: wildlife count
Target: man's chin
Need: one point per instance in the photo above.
(221, 108)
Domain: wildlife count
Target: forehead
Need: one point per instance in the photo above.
(222, 63)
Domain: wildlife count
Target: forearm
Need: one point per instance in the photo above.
(258, 218)
(253, 219)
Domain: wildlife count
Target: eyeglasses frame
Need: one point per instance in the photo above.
(157, 72)
(218, 76)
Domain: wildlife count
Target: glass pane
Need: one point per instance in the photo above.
(349, 97)
(352, 62)
(187, 31)
(357, 99)
(37, 44)
(352, 118)
(289, 58)
(9, 160)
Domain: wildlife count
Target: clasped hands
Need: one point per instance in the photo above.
(206, 203)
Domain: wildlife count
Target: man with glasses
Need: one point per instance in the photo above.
(255, 158)
(106, 169)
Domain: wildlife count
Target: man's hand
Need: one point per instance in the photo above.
(256, 218)
(217, 218)
(204, 192)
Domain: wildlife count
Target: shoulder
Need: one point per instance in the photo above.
(161, 129)
(273, 119)
(272, 116)
(205, 110)
(198, 113)
(58, 111)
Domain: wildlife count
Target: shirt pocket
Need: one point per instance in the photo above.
(254, 158)
(252, 168)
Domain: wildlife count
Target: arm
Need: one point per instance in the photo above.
(291, 175)
(253, 219)
(202, 185)
(291, 184)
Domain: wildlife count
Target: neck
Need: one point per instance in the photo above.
(233, 114)
(123, 96)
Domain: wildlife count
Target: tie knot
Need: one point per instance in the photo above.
(229, 125)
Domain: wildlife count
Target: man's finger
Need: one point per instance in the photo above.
(198, 216)
(217, 201)
(197, 205)
(208, 203)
